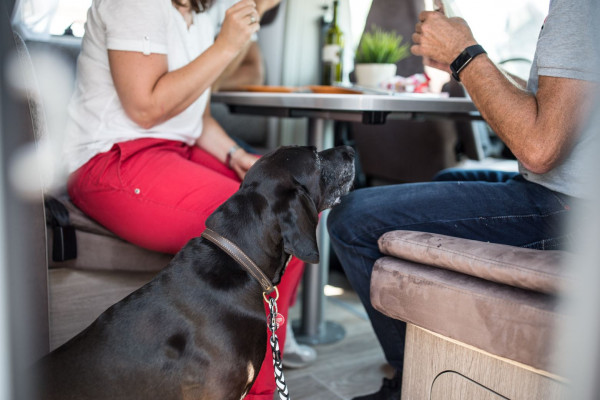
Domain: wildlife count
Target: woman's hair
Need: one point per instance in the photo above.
(196, 5)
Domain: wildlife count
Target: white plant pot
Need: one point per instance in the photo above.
(373, 74)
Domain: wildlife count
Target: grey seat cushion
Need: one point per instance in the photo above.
(519, 267)
(98, 249)
(498, 298)
(503, 320)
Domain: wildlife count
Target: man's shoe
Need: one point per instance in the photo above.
(296, 355)
(390, 390)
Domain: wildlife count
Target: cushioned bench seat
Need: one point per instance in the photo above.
(499, 299)
(105, 270)
(100, 249)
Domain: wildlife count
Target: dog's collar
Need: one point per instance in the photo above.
(241, 258)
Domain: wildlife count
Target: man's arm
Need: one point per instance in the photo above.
(247, 69)
(518, 81)
(539, 129)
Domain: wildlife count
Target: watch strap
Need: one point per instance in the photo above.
(464, 59)
(230, 152)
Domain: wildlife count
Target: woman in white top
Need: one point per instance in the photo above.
(145, 157)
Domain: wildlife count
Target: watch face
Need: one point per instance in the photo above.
(464, 58)
(459, 63)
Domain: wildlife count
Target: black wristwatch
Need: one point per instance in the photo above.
(464, 59)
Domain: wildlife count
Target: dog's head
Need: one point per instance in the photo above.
(322, 177)
(285, 191)
(306, 182)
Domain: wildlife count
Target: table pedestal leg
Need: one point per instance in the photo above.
(311, 328)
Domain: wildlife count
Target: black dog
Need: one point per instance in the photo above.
(198, 329)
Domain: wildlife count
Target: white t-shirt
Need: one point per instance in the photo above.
(217, 11)
(96, 118)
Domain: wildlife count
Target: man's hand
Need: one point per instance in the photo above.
(439, 40)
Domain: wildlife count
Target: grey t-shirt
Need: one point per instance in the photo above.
(569, 47)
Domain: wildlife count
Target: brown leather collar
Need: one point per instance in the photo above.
(240, 257)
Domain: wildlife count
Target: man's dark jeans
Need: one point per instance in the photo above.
(480, 205)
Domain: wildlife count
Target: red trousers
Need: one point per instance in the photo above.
(157, 194)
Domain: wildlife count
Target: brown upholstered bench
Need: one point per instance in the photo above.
(482, 317)
(105, 270)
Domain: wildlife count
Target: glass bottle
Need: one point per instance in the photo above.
(333, 48)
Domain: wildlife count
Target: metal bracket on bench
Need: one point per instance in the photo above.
(64, 241)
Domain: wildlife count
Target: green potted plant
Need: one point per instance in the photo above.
(377, 55)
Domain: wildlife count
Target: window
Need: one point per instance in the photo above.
(51, 17)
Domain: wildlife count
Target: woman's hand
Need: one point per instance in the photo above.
(263, 6)
(241, 22)
(216, 141)
(241, 161)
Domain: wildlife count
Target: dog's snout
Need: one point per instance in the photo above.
(345, 152)
(348, 152)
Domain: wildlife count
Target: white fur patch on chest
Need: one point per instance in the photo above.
(251, 373)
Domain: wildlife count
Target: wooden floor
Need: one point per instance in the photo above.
(354, 365)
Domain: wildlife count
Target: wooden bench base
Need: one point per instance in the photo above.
(439, 368)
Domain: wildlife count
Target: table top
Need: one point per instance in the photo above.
(401, 102)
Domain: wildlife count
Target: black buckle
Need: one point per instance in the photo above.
(64, 243)
(64, 240)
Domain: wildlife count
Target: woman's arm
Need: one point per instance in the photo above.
(150, 94)
(216, 141)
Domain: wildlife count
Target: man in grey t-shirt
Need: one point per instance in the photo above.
(540, 122)
(568, 47)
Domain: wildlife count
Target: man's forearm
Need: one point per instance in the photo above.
(507, 108)
(539, 129)
(247, 70)
(520, 82)
(231, 68)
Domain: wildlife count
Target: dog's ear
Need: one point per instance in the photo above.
(298, 226)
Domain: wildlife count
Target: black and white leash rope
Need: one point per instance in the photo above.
(274, 319)
(277, 364)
